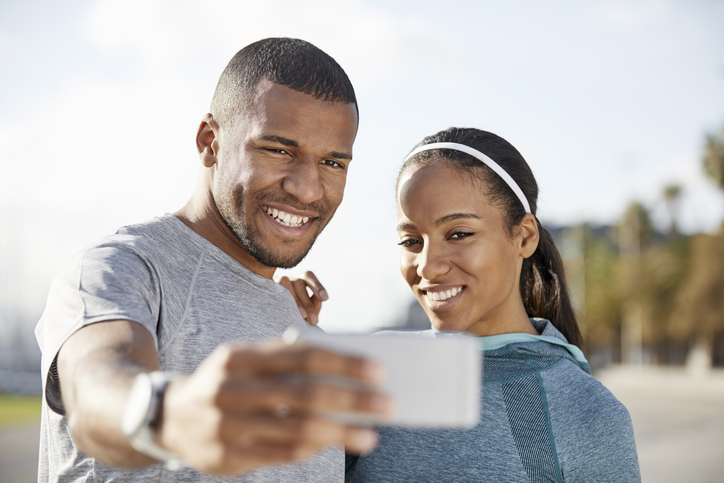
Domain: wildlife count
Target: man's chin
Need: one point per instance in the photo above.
(278, 260)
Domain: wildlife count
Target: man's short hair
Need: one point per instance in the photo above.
(294, 63)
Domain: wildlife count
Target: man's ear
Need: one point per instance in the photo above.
(207, 143)
(529, 235)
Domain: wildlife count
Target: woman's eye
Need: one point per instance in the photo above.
(460, 234)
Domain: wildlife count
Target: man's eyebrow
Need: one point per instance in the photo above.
(292, 143)
(339, 155)
(280, 140)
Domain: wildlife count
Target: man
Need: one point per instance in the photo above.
(164, 296)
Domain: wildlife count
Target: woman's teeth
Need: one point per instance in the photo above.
(285, 218)
(445, 294)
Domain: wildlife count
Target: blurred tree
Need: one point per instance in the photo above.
(601, 314)
(713, 159)
(672, 198)
(634, 232)
(698, 313)
(665, 267)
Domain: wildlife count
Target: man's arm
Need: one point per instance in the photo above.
(225, 417)
(96, 367)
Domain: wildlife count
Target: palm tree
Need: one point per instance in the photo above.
(713, 159)
(672, 196)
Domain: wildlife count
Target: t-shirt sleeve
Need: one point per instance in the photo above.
(111, 281)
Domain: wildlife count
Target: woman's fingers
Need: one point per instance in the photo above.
(299, 286)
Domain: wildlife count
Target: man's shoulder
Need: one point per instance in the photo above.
(164, 236)
(164, 227)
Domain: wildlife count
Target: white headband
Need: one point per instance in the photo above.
(484, 159)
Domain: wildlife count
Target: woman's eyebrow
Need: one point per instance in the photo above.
(406, 225)
(456, 216)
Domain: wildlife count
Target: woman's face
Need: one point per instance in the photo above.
(457, 256)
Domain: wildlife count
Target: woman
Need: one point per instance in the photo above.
(478, 260)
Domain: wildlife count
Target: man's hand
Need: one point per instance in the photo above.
(243, 408)
(309, 306)
(249, 407)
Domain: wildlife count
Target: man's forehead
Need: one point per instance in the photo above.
(281, 111)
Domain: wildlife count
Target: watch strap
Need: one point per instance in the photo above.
(152, 387)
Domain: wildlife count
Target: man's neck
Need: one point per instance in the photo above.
(201, 215)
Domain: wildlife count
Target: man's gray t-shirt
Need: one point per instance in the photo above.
(192, 297)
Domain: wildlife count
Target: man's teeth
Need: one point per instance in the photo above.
(445, 294)
(285, 218)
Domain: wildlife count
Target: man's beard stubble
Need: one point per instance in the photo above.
(232, 212)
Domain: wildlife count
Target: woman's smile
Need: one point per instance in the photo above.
(441, 298)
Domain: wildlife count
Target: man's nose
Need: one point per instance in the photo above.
(303, 180)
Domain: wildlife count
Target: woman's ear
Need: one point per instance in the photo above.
(206, 140)
(529, 235)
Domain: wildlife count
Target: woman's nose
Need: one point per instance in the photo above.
(432, 262)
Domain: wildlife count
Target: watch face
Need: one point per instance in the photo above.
(135, 413)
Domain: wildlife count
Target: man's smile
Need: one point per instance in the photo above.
(286, 219)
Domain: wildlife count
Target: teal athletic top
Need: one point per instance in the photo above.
(544, 418)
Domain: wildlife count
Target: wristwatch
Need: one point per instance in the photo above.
(142, 416)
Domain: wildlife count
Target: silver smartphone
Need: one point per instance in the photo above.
(435, 381)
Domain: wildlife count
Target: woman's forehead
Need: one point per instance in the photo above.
(437, 191)
(440, 178)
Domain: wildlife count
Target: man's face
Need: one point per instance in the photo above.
(281, 172)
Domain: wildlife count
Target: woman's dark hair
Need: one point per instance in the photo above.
(542, 281)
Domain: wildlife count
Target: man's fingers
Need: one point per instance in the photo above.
(274, 360)
(300, 396)
(241, 458)
(298, 430)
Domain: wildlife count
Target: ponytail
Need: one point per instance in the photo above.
(544, 290)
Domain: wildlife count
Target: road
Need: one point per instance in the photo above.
(678, 419)
(19, 453)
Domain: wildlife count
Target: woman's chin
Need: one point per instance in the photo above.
(447, 325)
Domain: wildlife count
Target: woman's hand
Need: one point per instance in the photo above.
(309, 305)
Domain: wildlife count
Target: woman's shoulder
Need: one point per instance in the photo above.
(592, 429)
(577, 396)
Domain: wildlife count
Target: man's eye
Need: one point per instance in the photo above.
(277, 150)
(333, 163)
(408, 242)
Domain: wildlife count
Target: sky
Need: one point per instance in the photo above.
(609, 102)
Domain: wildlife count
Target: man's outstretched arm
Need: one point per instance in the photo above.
(225, 417)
